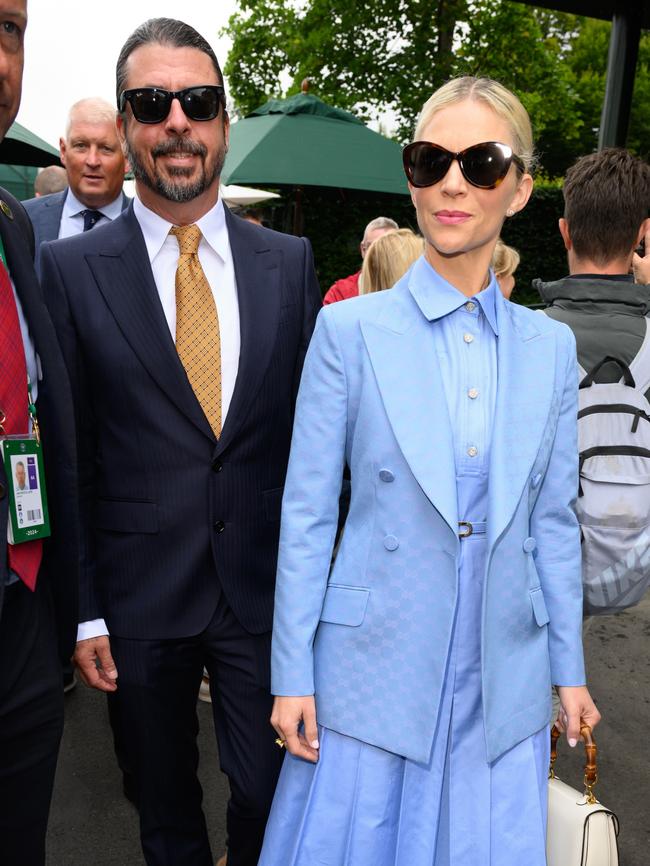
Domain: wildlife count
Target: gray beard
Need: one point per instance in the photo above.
(167, 188)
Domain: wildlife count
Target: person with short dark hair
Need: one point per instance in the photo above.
(606, 196)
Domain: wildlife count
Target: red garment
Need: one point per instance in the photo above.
(343, 289)
(24, 558)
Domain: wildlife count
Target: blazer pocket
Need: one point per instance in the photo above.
(539, 606)
(272, 500)
(123, 515)
(345, 605)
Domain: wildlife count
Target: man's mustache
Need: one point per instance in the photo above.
(179, 145)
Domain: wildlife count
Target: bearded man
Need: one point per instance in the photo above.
(184, 331)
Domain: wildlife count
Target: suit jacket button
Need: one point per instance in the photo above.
(529, 545)
(386, 475)
(219, 526)
(391, 543)
(217, 465)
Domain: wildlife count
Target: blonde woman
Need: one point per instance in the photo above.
(413, 682)
(389, 258)
(505, 261)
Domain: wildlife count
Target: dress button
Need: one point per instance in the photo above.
(469, 338)
(470, 306)
(386, 475)
(529, 545)
(472, 451)
(217, 466)
(219, 526)
(472, 393)
(391, 543)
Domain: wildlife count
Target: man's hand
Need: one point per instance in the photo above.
(577, 706)
(641, 264)
(286, 717)
(95, 663)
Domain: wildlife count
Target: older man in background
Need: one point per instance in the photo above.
(348, 287)
(52, 178)
(94, 163)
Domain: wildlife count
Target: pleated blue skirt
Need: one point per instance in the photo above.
(363, 806)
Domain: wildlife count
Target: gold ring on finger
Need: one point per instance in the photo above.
(280, 742)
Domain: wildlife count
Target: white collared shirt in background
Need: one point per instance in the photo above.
(72, 221)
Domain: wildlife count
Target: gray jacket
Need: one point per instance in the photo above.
(606, 315)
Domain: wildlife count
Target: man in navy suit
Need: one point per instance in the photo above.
(184, 439)
(38, 581)
(95, 166)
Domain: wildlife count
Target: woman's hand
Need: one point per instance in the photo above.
(577, 706)
(286, 717)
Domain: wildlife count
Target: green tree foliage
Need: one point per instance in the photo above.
(388, 55)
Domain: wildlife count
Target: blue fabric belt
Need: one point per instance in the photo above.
(465, 528)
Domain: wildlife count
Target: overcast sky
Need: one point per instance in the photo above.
(71, 47)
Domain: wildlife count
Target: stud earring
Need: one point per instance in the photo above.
(510, 212)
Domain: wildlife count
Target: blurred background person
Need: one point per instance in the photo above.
(52, 178)
(388, 259)
(348, 287)
(505, 261)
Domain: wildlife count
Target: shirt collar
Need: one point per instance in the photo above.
(73, 207)
(437, 298)
(155, 229)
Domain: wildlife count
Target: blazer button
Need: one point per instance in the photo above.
(219, 526)
(529, 545)
(386, 475)
(534, 482)
(391, 543)
(217, 465)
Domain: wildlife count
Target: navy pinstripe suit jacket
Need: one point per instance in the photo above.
(170, 515)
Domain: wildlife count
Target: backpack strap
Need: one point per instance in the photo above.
(627, 378)
(640, 366)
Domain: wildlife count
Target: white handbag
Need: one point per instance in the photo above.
(580, 831)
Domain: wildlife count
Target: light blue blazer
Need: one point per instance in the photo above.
(371, 638)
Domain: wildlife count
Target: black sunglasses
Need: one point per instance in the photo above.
(153, 104)
(483, 165)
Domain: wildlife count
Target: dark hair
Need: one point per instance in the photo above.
(606, 199)
(163, 31)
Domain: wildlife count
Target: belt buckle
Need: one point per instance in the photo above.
(468, 529)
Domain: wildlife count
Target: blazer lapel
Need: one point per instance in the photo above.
(526, 365)
(405, 363)
(257, 272)
(124, 277)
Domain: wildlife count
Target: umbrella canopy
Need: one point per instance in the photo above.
(302, 141)
(22, 147)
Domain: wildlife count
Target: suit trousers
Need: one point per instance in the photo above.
(31, 722)
(154, 711)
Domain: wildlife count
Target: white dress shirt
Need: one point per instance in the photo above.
(72, 221)
(216, 260)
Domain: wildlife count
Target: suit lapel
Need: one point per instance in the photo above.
(526, 365)
(402, 352)
(257, 272)
(124, 278)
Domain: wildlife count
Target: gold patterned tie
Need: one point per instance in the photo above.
(198, 342)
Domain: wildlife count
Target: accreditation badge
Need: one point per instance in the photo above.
(28, 514)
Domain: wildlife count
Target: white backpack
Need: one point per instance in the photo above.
(613, 504)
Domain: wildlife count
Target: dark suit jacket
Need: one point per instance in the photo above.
(171, 515)
(45, 214)
(54, 405)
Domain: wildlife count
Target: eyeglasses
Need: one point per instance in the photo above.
(153, 104)
(484, 165)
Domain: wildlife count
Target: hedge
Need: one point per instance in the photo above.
(334, 221)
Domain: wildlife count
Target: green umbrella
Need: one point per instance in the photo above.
(302, 141)
(22, 147)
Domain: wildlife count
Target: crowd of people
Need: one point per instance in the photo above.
(355, 525)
